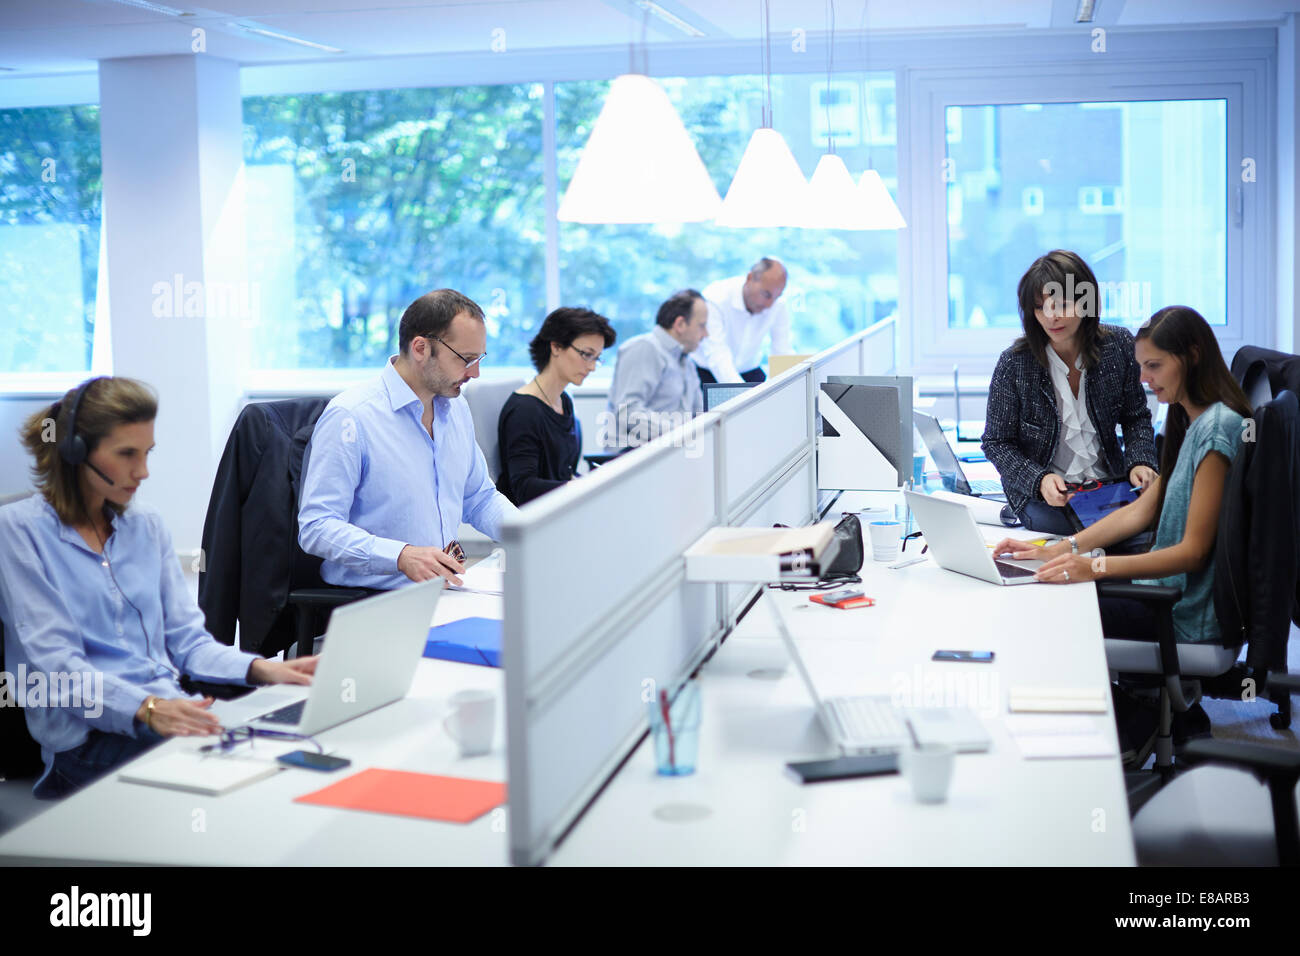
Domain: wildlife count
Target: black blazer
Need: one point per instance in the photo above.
(1257, 552)
(539, 448)
(1023, 423)
(250, 536)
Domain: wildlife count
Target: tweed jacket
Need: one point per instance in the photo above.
(1023, 423)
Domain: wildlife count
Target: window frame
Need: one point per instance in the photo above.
(1152, 67)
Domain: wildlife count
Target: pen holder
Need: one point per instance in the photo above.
(675, 727)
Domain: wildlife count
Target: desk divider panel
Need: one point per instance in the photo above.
(598, 614)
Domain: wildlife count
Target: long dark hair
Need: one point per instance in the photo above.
(1067, 272)
(1184, 333)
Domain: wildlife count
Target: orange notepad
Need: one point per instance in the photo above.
(407, 794)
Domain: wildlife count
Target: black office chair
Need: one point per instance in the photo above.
(253, 568)
(1260, 497)
(20, 754)
(1221, 817)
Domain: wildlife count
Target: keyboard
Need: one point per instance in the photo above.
(867, 723)
(1013, 570)
(985, 486)
(289, 714)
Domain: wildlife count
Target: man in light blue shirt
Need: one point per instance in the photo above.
(392, 467)
(655, 386)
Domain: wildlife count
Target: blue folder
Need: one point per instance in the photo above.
(471, 640)
(1091, 506)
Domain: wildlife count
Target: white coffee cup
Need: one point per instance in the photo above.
(885, 539)
(928, 768)
(472, 721)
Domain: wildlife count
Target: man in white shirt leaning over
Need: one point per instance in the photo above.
(742, 310)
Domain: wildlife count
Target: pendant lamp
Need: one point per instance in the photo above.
(639, 164)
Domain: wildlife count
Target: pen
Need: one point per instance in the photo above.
(906, 564)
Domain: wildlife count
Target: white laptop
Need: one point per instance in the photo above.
(371, 651)
(957, 544)
(872, 724)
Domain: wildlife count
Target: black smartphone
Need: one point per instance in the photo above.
(842, 768)
(969, 657)
(310, 760)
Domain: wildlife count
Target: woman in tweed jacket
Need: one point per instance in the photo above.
(1058, 394)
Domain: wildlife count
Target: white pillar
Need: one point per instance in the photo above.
(171, 140)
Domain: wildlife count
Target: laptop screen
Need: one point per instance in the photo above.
(954, 479)
(715, 393)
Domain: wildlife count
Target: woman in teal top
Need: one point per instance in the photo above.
(1180, 361)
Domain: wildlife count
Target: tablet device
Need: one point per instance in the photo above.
(1089, 507)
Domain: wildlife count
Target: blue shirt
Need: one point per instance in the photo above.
(1218, 428)
(75, 639)
(376, 482)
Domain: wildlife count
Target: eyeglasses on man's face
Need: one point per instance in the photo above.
(469, 362)
(590, 357)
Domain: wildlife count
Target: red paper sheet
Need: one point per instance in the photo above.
(407, 794)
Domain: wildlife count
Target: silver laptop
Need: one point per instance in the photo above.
(949, 465)
(955, 539)
(368, 660)
(873, 724)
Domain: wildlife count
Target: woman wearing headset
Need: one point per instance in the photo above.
(93, 599)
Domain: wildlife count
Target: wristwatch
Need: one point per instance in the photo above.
(1074, 545)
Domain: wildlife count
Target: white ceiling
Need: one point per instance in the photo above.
(69, 36)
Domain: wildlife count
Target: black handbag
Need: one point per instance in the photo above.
(848, 558)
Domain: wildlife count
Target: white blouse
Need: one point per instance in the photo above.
(1078, 452)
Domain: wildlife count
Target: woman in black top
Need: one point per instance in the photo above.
(1057, 394)
(539, 435)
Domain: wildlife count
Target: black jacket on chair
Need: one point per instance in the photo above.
(1264, 373)
(1023, 422)
(1256, 591)
(250, 535)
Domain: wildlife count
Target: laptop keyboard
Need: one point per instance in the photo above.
(985, 486)
(1013, 571)
(868, 723)
(289, 714)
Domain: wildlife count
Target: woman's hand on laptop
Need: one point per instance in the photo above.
(179, 717)
(1018, 550)
(1070, 569)
(296, 671)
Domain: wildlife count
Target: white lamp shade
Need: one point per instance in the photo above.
(769, 188)
(639, 165)
(881, 210)
(834, 201)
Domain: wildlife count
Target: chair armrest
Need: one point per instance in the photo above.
(1287, 682)
(1162, 600)
(1278, 768)
(1262, 760)
(1156, 594)
(327, 597)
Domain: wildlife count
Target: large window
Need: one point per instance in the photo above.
(1148, 165)
(840, 281)
(50, 214)
(360, 202)
(1136, 188)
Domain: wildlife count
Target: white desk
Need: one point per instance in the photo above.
(115, 822)
(1002, 809)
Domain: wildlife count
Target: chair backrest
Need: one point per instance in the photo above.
(250, 536)
(1265, 373)
(1256, 569)
(486, 399)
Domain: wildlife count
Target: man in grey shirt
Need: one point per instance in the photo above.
(656, 387)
